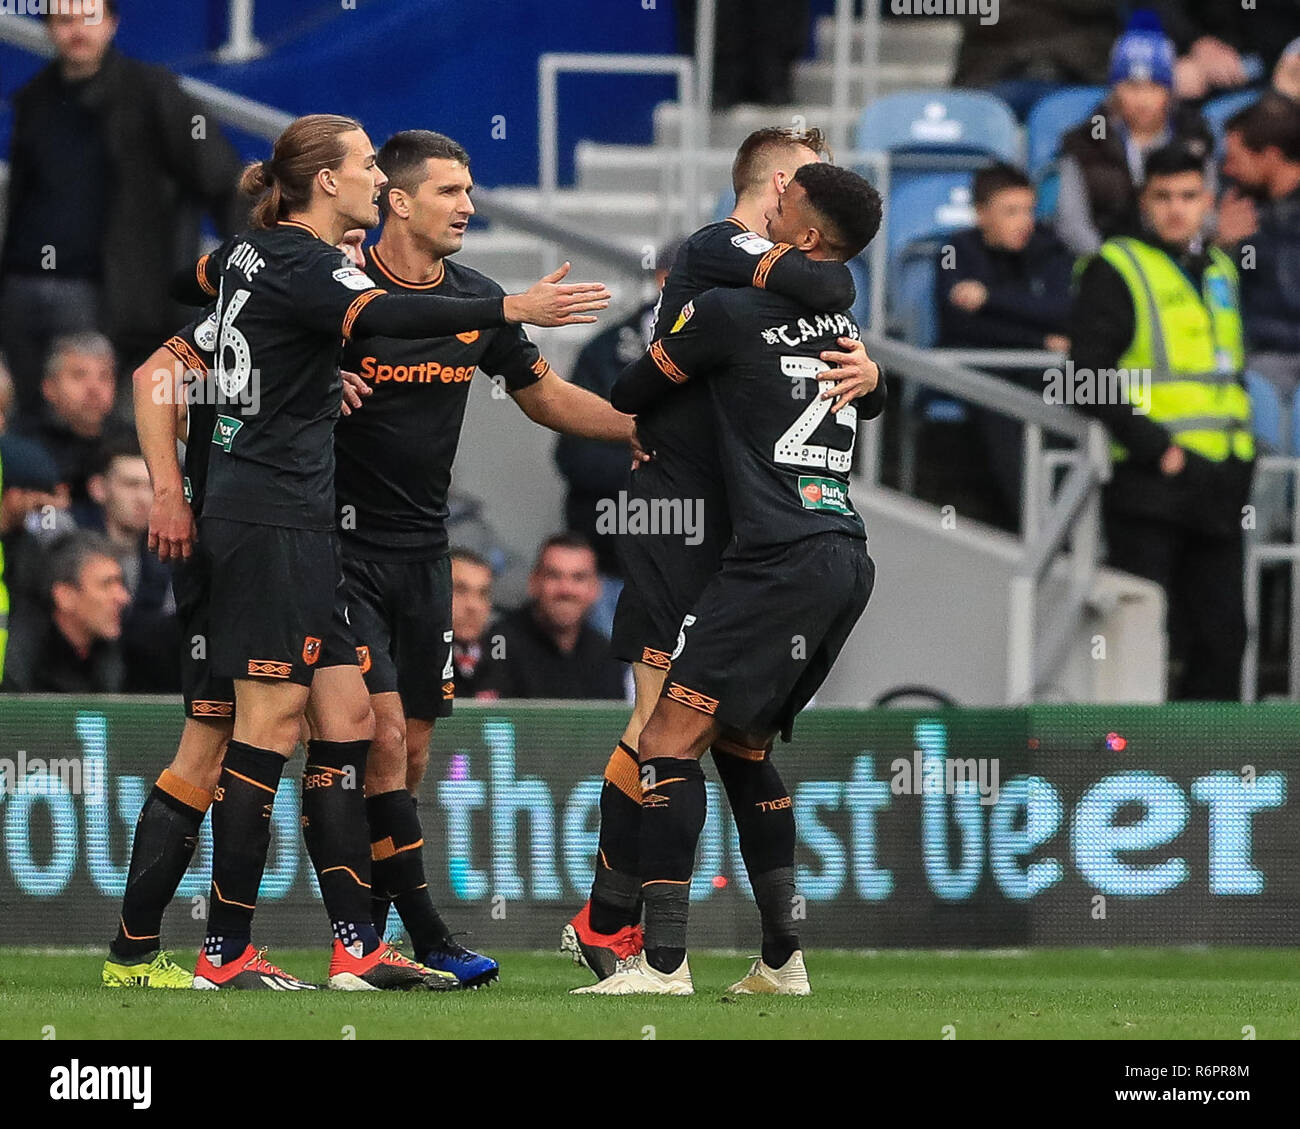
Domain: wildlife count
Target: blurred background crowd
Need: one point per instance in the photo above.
(116, 173)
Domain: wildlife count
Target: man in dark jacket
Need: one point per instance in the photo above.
(1102, 158)
(110, 162)
(1163, 310)
(1004, 284)
(1263, 158)
(72, 646)
(548, 649)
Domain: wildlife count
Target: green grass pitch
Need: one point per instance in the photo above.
(1040, 994)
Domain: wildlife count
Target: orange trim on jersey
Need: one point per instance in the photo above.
(767, 262)
(693, 698)
(664, 363)
(363, 885)
(299, 223)
(183, 352)
(660, 660)
(732, 219)
(354, 310)
(188, 794)
(201, 708)
(201, 271)
(389, 274)
(623, 772)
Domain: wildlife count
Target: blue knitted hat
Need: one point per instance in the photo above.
(1143, 53)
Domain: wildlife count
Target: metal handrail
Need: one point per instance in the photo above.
(1072, 517)
(549, 68)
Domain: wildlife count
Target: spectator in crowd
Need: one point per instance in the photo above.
(549, 649)
(1163, 305)
(7, 395)
(1286, 75)
(753, 65)
(110, 165)
(471, 611)
(1034, 47)
(1225, 46)
(151, 638)
(1262, 158)
(33, 516)
(1004, 284)
(595, 469)
(1102, 160)
(72, 646)
(78, 389)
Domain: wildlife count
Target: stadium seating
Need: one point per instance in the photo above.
(1054, 116)
(1218, 110)
(940, 129)
(1266, 414)
(927, 204)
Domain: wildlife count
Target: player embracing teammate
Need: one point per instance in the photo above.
(737, 392)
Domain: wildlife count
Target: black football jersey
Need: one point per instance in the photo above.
(396, 452)
(286, 303)
(785, 457)
(680, 428)
(193, 346)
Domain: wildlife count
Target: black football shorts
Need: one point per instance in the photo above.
(273, 593)
(399, 615)
(767, 629)
(207, 695)
(663, 573)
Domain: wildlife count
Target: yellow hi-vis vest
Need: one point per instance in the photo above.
(1192, 345)
(4, 595)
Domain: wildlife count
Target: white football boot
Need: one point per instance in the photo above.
(791, 979)
(637, 977)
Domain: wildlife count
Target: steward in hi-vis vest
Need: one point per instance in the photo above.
(1157, 356)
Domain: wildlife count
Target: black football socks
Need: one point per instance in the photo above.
(673, 804)
(241, 836)
(334, 828)
(616, 890)
(166, 835)
(397, 867)
(764, 818)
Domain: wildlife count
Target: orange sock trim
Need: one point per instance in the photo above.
(624, 773)
(183, 790)
(736, 749)
(385, 849)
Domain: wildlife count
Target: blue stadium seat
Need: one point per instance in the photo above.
(1266, 413)
(926, 205)
(1049, 191)
(940, 128)
(1218, 110)
(913, 317)
(911, 295)
(725, 206)
(1055, 115)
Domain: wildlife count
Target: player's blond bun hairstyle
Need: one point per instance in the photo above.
(283, 183)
